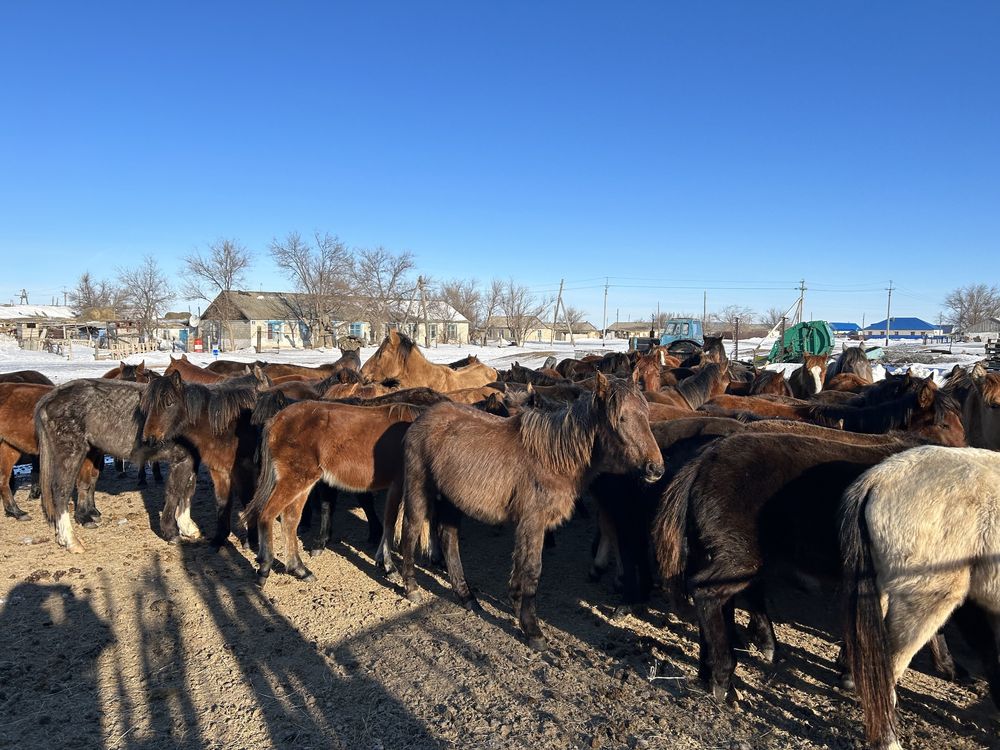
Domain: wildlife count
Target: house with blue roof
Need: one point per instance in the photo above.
(904, 328)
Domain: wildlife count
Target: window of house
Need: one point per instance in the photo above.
(273, 330)
(432, 330)
(357, 329)
(452, 332)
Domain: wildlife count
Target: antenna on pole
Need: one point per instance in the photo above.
(24, 297)
(604, 329)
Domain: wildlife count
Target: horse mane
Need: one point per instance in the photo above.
(416, 396)
(562, 439)
(697, 388)
(268, 404)
(220, 402)
(530, 376)
(887, 416)
(851, 359)
(403, 412)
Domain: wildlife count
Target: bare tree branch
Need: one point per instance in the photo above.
(146, 292)
(215, 276)
(384, 288)
(972, 305)
(521, 308)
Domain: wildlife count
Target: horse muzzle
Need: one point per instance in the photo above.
(652, 473)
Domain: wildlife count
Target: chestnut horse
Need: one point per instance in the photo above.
(399, 358)
(25, 376)
(17, 437)
(538, 464)
(215, 421)
(851, 360)
(192, 373)
(353, 448)
(770, 381)
(807, 380)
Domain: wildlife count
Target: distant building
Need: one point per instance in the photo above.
(627, 329)
(33, 324)
(280, 318)
(845, 328)
(904, 328)
(986, 329)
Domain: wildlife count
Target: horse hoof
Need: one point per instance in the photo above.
(18, 515)
(414, 596)
(35, 493)
(537, 643)
(261, 580)
(303, 574)
(76, 548)
(473, 605)
(315, 552)
(767, 654)
(89, 523)
(95, 514)
(847, 682)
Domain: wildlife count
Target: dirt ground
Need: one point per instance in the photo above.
(141, 645)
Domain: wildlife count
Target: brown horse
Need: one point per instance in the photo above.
(807, 380)
(214, 420)
(25, 376)
(353, 448)
(399, 358)
(18, 437)
(847, 382)
(349, 360)
(192, 373)
(978, 393)
(769, 381)
(707, 382)
(537, 464)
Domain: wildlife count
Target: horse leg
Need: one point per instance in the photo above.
(416, 514)
(87, 513)
(157, 474)
(915, 616)
(606, 535)
(291, 514)
(326, 497)
(120, 467)
(393, 499)
(222, 480)
(175, 520)
(8, 457)
(760, 627)
(529, 539)
(287, 489)
(36, 488)
(720, 660)
(70, 458)
(944, 662)
(141, 474)
(448, 520)
(367, 502)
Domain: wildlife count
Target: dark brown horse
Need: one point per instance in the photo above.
(851, 360)
(25, 376)
(707, 382)
(17, 436)
(134, 374)
(754, 501)
(538, 463)
(807, 380)
(770, 381)
(353, 448)
(978, 392)
(215, 421)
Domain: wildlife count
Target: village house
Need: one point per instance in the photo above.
(280, 319)
(904, 328)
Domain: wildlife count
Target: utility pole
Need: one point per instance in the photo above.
(65, 297)
(604, 330)
(555, 312)
(423, 312)
(888, 312)
(802, 299)
(704, 310)
(24, 297)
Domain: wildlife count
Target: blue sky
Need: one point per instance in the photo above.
(673, 147)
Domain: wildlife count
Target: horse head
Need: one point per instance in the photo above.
(626, 441)
(164, 407)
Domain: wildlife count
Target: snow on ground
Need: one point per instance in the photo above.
(914, 356)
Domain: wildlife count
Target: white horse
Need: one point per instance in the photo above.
(920, 535)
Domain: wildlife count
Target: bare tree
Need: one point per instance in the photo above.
(146, 291)
(321, 273)
(384, 288)
(521, 309)
(729, 314)
(573, 317)
(215, 276)
(772, 316)
(465, 296)
(98, 297)
(971, 305)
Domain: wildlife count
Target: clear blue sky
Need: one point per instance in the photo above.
(728, 145)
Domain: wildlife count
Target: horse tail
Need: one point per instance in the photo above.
(670, 526)
(266, 481)
(867, 638)
(46, 459)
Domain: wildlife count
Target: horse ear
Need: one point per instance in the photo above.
(262, 378)
(121, 364)
(530, 388)
(636, 375)
(925, 395)
(175, 379)
(141, 367)
(977, 373)
(601, 385)
(393, 337)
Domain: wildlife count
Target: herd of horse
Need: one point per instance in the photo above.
(711, 475)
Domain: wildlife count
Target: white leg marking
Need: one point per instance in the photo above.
(186, 526)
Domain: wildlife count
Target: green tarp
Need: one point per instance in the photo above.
(811, 337)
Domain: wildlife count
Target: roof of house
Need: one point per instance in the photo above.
(630, 325)
(501, 321)
(845, 326)
(36, 312)
(287, 305)
(903, 324)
